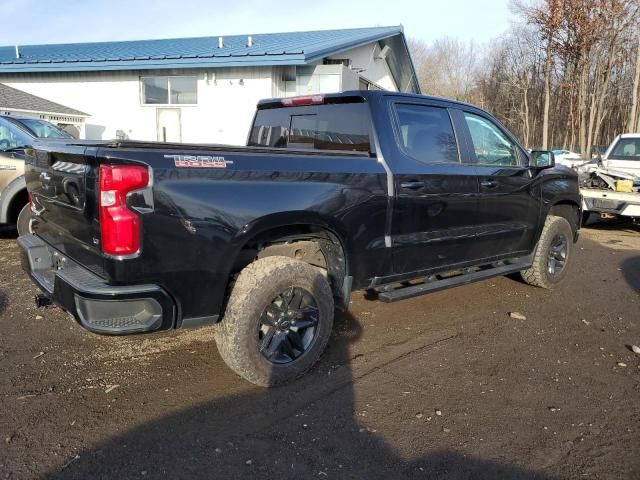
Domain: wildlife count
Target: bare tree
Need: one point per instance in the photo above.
(446, 68)
(566, 74)
(634, 115)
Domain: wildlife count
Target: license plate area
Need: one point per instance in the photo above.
(43, 261)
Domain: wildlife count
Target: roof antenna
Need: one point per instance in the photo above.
(249, 41)
(17, 52)
(220, 42)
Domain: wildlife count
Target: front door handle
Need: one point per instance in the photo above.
(489, 184)
(412, 185)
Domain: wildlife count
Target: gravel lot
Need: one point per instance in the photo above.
(441, 386)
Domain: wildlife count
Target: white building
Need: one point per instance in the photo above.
(22, 104)
(203, 89)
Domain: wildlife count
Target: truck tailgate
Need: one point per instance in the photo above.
(61, 181)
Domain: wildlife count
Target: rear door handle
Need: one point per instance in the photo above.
(412, 185)
(489, 184)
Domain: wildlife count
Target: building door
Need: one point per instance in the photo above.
(169, 128)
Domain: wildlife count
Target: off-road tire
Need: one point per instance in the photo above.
(23, 223)
(538, 274)
(255, 288)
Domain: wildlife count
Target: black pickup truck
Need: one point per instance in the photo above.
(391, 193)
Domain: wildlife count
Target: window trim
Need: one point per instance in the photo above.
(398, 134)
(168, 77)
(472, 150)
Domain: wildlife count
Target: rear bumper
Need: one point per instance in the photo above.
(96, 305)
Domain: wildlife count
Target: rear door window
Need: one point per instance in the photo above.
(324, 127)
(426, 133)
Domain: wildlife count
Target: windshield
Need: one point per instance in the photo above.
(43, 129)
(626, 149)
(12, 136)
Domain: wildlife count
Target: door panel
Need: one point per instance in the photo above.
(508, 211)
(434, 224)
(509, 201)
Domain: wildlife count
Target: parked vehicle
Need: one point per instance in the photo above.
(568, 158)
(610, 185)
(16, 134)
(392, 193)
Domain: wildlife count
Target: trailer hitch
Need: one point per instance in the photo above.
(43, 301)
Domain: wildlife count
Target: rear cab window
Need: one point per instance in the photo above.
(333, 127)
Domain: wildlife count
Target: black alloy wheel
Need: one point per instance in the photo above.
(557, 257)
(288, 326)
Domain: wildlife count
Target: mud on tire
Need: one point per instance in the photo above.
(256, 295)
(553, 253)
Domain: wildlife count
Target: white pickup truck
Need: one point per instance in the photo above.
(610, 186)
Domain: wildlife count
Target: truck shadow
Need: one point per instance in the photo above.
(612, 225)
(4, 301)
(308, 429)
(631, 272)
(8, 232)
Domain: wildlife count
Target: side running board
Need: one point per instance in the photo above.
(434, 283)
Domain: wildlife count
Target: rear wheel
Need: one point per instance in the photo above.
(278, 321)
(552, 254)
(24, 220)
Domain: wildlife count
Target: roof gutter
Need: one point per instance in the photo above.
(41, 112)
(120, 65)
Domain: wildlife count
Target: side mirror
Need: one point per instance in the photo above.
(542, 159)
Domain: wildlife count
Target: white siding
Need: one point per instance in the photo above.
(226, 102)
(365, 60)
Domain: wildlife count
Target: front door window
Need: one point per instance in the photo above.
(492, 147)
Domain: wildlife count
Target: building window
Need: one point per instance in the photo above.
(169, 90)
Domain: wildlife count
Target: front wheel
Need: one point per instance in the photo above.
(277, 322)
(24, 220)
(552, 255)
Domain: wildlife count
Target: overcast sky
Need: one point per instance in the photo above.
(46, 21)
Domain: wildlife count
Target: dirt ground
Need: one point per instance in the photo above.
(446, 385)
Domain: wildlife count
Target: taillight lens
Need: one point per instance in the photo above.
(119, 226)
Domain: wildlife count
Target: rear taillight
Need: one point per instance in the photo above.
(119, 226)
(302, 101)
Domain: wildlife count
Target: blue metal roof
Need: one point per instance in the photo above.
(294, 48)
